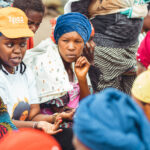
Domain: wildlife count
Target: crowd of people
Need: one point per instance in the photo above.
(86, 86)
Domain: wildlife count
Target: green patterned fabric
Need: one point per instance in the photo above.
(5, 122)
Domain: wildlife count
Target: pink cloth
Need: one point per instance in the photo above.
(74, 96)
(143, 53)
(46, 111)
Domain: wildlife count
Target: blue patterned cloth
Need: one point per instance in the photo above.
(73, 22)
(111, 120)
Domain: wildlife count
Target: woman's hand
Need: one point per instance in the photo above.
(67, 115)
(88, 51)
(50, 128)
(81, 67)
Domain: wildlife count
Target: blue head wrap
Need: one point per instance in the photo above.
(73, 22)
(0, 34)
(111, 120)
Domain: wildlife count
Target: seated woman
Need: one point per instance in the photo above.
(5, 122)
(71, 33)
(111, 120)
(17, 84)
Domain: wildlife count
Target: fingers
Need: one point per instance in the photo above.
(54, 132)
(57, 124)
(81, 61)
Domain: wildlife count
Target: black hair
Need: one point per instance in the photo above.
(26, 5)
(22, 68)
(148, 6)
(81, 6)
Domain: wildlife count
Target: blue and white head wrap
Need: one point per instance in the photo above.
(111, 120)
(73, 22)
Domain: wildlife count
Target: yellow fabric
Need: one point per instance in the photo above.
(105, 7)
(14, 23)
(141, 87)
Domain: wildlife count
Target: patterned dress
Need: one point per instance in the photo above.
(5, 122)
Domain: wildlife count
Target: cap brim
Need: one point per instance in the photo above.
(17, 33)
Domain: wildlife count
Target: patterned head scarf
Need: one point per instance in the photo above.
(73, 22)
(111, 120)
(143, 53)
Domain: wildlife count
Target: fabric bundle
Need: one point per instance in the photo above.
(131, 8)
(51, 77)
(111, 120)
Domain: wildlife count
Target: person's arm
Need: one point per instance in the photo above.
(42, 125)
(36, 116)
(39, 121)
(81, 68)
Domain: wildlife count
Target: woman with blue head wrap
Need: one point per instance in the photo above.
(72, 32)
(111, 120)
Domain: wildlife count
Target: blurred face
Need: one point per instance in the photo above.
(34, 19)
(12, 52)
(144, 106)
(146, 24)
(78, 145)
(70, 46)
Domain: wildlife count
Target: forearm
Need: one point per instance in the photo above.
(23, 124)
(84, 89)
(43, 117)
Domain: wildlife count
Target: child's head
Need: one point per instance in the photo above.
(14, 32)
(34, 10)
(71, 33)
(141, 91)
(146, 23)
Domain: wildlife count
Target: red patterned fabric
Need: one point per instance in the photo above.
(143, 53)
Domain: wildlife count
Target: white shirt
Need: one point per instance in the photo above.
(18, 91)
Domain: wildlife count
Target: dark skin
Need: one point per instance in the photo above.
(12, 52)
(88, 51)
(34, 19)
(144, 106)
(71, 48)
(140, 68)
(146, 24)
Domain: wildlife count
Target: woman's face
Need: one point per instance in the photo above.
(70, 46)
(12, 51)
